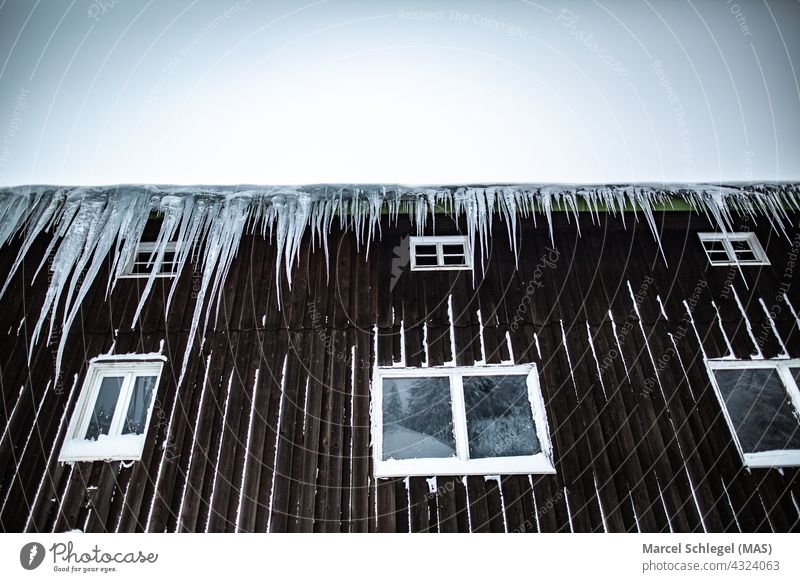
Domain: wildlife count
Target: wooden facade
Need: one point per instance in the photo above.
(270, 430)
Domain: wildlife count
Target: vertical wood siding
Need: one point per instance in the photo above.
(270, 430)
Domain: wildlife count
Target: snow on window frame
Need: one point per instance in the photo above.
(732, 259)
(115, 446)
(439, 242)
(149, 250)
(539, 463)
(783, 367)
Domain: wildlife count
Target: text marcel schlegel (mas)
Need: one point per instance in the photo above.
(706, 548)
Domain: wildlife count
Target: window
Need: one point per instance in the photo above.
(440, 253)
(761, 401)
(141, 264)
(735, 248)
(459, 421)
(113, 410)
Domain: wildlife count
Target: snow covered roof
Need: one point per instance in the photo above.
(89, 223)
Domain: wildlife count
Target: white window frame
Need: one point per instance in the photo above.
(461, 464)
(149, 248)
(733, 259)
(115, 446)
(763, 459)
(439, 242)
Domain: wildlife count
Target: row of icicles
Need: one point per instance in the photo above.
(88, 225)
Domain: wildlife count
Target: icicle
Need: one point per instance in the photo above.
(195, 434)
(661, 307)
(785, 352)
(425, 347)
(731, 355)
(225, 428)
(247, 444)
(277, 442)
(510, 350)
(482, 361)
(452, 320)
(644, 335)
(792, 309)
(596, 361)
(569, 359)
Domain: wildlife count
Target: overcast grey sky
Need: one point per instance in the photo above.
(195, 91)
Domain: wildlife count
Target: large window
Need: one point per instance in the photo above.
(113, 410)
(761, 403)
(733, 248)
(437, 253)
(459, 421)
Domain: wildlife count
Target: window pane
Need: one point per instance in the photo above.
(714, 245)
(141, 268)
(417, 418)
(103, 412)
(454, 260)
(759, 406)
(796, 375)
(499, 419)
(456, 249)
(740, 245)
(425, 249)
(141, 398)
(747, 255)
(427, 261)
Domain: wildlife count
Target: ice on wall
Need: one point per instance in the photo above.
(87, 225)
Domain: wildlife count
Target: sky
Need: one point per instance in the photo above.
(99, 92)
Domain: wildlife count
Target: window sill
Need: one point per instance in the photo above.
(770, 459)
(535, 464)
(739, 263)
(119, 448)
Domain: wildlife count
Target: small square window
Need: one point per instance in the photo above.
(143, 260)
(761, 403)
(735, 248)
(113, 411)
(440, 253)
(460, 421)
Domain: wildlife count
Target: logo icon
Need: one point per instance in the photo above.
(31, 555)
(401, 257)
